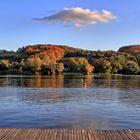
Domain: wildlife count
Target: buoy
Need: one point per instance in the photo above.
(85, 85)
(82, 80)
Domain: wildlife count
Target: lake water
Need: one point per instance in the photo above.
(108, 102)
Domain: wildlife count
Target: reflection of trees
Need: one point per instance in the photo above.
(131, 81)
(118, 81)
(89, 80)
(36, 81)
(59, 81)
(77, 81)
(4, 81)
(72, 81)
(128, 82)
(39, 81)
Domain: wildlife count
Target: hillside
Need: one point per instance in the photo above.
(132, 49)
(50, 59)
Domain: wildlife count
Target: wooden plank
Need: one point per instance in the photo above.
(129, 134)
(30, 135)
(3, 133)
(86, 135)
(68, 134)
(39, 134)
(10, 134)
(48, 135)
(136, 133)
(34, 134)
(94, 133)
(107, 135)
(89, 135)
(45, 134)
(75, 137)
(83, 134)
(123, 135)
(78, 135)
(65, 136)
(117, 134)
(55, 134)
(100, 135)
(16, 133)
(23, 134)
(61, 134)
(51, 134)
(113, 135)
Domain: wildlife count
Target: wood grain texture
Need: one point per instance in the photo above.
(67, 134)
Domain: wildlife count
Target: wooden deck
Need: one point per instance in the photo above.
(68, 134)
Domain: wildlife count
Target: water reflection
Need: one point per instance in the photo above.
(33, 81)
(108, 102)
(118, 81)
(60, 81)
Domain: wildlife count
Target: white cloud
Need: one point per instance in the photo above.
(79, 17)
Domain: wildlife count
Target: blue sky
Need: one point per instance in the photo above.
(18, 27)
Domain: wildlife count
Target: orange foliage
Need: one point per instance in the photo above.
(60, 68)
(130, 49)
(89, 68)
(51, 53)
(34, 63)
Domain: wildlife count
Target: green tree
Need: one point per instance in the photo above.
(14, 65)
(116, 64)
(102, 66)
(131, 67)
(72, 64)
(82, 62)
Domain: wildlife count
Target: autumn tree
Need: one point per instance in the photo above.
(78, 65)
(72, 64)
(34, 64)
(82, 62)
(49, 56)
(59, 68)
(4, 64)
(102, 66)
(89, 69)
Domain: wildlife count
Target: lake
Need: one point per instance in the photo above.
(108, 102)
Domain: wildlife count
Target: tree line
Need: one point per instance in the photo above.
(56, 59)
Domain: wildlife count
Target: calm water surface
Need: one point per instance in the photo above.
(109, 102)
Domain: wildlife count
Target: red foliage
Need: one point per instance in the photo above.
(130, 49)
(52, 52)
(89, 68)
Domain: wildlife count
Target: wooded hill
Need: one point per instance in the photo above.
(51, 59)
(132, 49)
